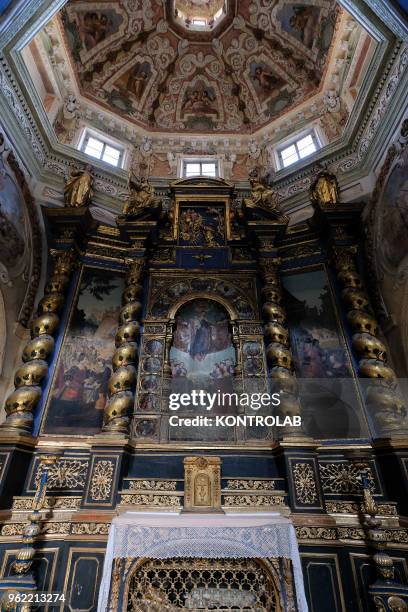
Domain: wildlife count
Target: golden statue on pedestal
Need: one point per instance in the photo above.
(324, 190)
(78, 188)
(265, 197)
(141, 196)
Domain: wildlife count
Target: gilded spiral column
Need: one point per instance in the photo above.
(386, 407)
(21, 403)
(121, 384)
(277, 338)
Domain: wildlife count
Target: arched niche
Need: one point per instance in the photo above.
(201, 349)
(192, 583)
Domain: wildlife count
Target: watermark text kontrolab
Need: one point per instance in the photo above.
(219, 400)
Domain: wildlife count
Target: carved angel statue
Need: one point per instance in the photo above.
(78, 188)
(264, 196)
(141, 196)
(324, 190)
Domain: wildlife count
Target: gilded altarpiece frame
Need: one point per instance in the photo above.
(237, 294)
(182, 202)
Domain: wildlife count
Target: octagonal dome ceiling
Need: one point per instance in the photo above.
(138, 59)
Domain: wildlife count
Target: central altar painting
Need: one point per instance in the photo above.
(202, 355)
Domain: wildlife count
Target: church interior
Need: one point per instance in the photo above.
(204, 305)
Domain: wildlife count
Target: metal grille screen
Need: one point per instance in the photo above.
(202, 584)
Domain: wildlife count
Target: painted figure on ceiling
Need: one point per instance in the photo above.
(303, 21)
(137, 81)
(92, 28)
(267, 80)
(199, 102)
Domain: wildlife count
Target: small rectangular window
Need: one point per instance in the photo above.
(200, 168)
(101, 149)
(299, 149)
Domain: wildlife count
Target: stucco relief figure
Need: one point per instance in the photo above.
(324, 190)
(264, 196)
(141, 196)
(78, 188)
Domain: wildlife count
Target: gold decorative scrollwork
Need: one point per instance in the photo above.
(250, 485)
(101, 480)
(67, 474)
(342, 477)
(152, 485)
(156, 501)
(305, 483)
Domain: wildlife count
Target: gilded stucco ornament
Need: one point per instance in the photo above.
(141, 196)
(265, 197)
(324, 190)
(38, 348)
(78, 188)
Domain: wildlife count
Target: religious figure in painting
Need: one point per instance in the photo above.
(78, 188)
(141, 196)
(202, 349)
(199, 102)
(92, 28)
(204, 228)
(268, 82)
(137, 80)
(79, 388)
(304, 21)
(202, 341)
(325, 190)
(264, 196)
